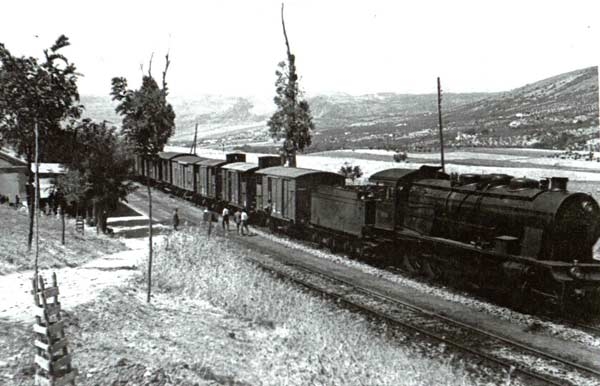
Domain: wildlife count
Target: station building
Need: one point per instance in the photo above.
(13, 177)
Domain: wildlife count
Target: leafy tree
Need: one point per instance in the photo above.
(349, 171)
(70, 190)
(104, 166)
(36, 97)
(148, 122)
(400, 156)
(292, 120)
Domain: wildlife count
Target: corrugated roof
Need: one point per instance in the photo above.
(282, 171)
(211, 162)
(189, 159)
(241, 166)
(170, 154)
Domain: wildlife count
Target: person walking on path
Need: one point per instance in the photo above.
(245, 219)
(225, 218)
(237, 218)
(175, 219)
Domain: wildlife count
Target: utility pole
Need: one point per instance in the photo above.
(439, 86)
(193, 148)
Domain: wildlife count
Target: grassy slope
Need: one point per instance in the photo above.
(217, 319)
(14, 226)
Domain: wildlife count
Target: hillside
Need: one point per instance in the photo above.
(552, 113)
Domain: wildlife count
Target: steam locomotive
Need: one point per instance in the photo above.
(524, 237)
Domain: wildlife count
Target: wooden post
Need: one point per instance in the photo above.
(439, 87)
(149, 237)
(193, 148)
(52, 359)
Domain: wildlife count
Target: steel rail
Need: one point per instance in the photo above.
(504, 363)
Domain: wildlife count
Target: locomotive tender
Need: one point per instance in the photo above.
(525, 237)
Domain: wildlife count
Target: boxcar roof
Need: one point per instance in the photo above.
(282, 171)
(189, 159)
(241, 166)
(211, 162)
(169, 154)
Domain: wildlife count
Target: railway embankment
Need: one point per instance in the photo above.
(217, 318)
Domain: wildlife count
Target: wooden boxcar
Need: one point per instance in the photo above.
(165, 160)
(184, 172)
(208, 178)
(239, 184)
(285, 192)
(208, 175)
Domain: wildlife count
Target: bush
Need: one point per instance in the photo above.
(349, 171)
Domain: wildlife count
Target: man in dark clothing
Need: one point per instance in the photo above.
(175, 219)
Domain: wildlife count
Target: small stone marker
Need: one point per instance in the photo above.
(52, 359)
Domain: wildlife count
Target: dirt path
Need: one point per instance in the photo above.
(77, 285)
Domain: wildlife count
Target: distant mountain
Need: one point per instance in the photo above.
(558, 112)
(536, 114)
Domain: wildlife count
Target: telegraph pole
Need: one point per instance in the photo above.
(440, 120)
(193, 148)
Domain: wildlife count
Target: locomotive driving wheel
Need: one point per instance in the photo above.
(433, 270)
(358, 249)
(314, 238)
(413, 264)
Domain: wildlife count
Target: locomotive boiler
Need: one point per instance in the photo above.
(518, 234)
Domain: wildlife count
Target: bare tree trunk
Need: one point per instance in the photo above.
(30, 201)
(95, 210)
(292, 159)
(149, 239)
(62, 220)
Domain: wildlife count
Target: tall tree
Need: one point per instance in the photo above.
(34, 96)
(104, 167)
(292, 119)
(148, 122)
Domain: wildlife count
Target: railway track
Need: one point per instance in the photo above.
(593, 330)
(529, 363)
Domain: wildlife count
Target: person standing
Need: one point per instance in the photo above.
(175, 219)
(245, 219)
(225, 215)
(237, 218)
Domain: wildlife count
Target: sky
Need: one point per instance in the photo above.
(232, 47)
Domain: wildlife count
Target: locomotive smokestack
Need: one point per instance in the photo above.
(559, 184)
